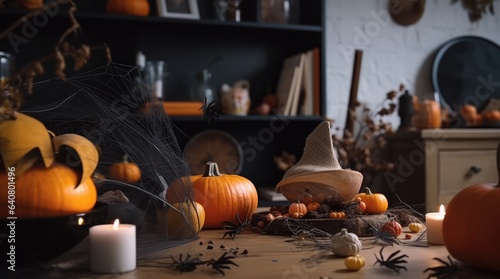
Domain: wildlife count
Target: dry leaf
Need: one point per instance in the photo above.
(24, 141)
(82, 155)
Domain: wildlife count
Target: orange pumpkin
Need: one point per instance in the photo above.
(125, 171)
(223, 196)
(375, 202)
(393, 227)
(180, 190)
(491, 116)
(469, 113)
(470, 229)
(128, 7)
(312, 206)
(297, 209)
(428, 115)
(52, 191)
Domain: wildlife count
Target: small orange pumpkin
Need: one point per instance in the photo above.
(312, 206)
(428, 115)
(375, 202)
(491, 116)
(125, 171)
(297, 209)
(223, 196)
(181, 190)
(128, 7)
(52, 191)
(393, 227)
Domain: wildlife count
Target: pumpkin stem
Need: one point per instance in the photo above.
(211, 169)
(368, 191)
(125, 158)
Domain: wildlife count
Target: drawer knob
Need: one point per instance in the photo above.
(475, 170)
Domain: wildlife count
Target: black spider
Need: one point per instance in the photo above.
(392, 262)
(446, 271)
(386, 237)
(211, 112)
(187, 264)
(221, 263)
(234, 229)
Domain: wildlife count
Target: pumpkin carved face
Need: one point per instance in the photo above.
(52, 191)
(223, 196)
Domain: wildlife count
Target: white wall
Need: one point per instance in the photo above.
(392, 54)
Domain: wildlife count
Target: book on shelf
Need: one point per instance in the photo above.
(298, 88)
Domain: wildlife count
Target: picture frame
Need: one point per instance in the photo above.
(185, 9)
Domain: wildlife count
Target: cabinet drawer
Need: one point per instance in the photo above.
(456, 170)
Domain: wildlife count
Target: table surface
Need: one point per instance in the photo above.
(275, 257)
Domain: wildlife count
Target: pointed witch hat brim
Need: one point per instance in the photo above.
(318, 174)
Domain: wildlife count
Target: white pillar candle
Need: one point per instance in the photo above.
(112, 248)
(434, 221)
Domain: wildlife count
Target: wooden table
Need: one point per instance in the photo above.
(276, 257)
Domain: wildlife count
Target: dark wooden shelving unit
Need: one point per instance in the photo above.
(250, 50)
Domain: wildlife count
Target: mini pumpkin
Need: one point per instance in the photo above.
(354, 263)
(125, 171)
(297, 209)
(345, 244)
(393, 227)
(181, 189)
(224, 196)
(415, 227)
(312, 206)
(179, 213)
(375, 202)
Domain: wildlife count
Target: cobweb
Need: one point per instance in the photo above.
(111, 107)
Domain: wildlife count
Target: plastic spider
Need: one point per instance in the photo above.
(187, 264)
(446, 271)
(211, 112)
(386, 237)
(234, 229)
(392, 262)
(221, 263)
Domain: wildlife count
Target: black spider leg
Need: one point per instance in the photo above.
(391, 262)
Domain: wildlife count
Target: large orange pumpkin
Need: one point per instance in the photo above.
(428, 115)
(52, 191)
(223, 196)
(375, 202)
(128, 7)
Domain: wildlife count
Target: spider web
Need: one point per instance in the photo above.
(109, 106)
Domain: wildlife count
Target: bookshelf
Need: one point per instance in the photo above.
(251, 50)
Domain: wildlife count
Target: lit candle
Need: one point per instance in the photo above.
(112, 248)
(434, 221)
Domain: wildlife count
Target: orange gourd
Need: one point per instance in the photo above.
(297, 209)
(375, 202)
(491, 116)
(223, 196)
(470, 226)
(125, 171)
(428, 115)
(52, 191)
(128, 7)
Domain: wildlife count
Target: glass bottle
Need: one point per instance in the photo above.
(202, 89)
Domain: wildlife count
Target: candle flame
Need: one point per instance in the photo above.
(441, 210)
(80, 221)
(116, 224)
